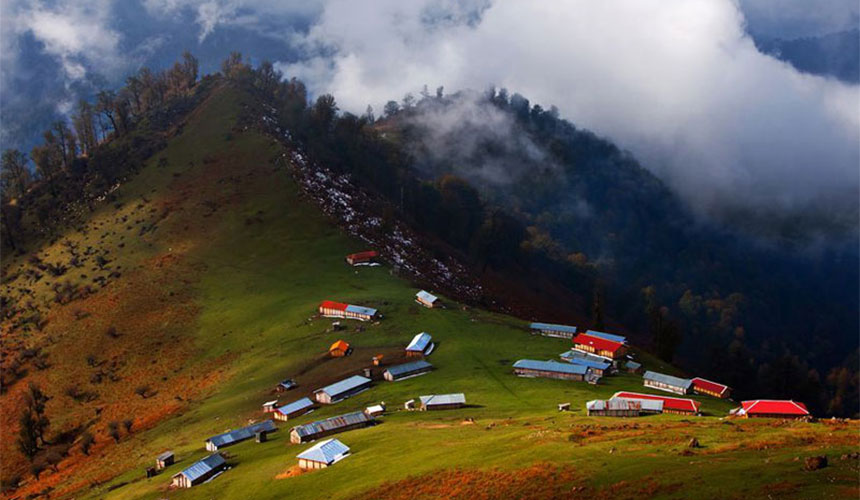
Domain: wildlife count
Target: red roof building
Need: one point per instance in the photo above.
(681, 406)
(600, 346)
(770, 408)
(339, 349)
(702, 386)
(361, 257)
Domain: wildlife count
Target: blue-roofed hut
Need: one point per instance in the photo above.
(550, 369)
(237, 436)
(200, 472)
(342, 390)
(323, 454)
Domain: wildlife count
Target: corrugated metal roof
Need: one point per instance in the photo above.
(607, 336)
(598, 343)
(165, 455)
(427, 296)
(343, 386)
(407, 368)
(774, 406)
(551, 326)
(669, 403)
(419, 342)
(625, 404)
(332, 423)
(295, 406)
(361, 310)
(551, 366)
(709, 385)
(585, 359)
(633, 365)
(242, 434)
(330, 304)
(328, 452)
(443, 399)
(668, 379)
(201, 468)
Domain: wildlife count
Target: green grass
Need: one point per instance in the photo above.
(257, 292)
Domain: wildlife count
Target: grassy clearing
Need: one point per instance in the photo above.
(259, 259)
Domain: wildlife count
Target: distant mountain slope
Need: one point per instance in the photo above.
(833, 54)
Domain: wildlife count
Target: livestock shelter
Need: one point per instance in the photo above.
(362, 258)
(331, 309)
(772, 408)
(427, 299)
(553, 330)
(421, 345)
(166, 459)
(339, 349)
(407, 370)
(710, 388)
(339, 391)
(599, 365)
(608, 336)
(599, 346)
(294, 409)
(550, 369)
(237, 436)
(323, 454)
(679, 406)
(623, 407)
(442, 401)
(322, 428)
(200, 472)
(667, 383)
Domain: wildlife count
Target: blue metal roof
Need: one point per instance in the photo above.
(361, 310)
(242, 434)
(332, 423)
(443, 399)
(426, 296)
(327, 452)
(668, 379)
(551, 366)
(550, 326)
(419, 342)
(607, 336)
(407, 368)
(295, 406)
(590, 363)
(633, 365)
(201, 468)
(344, 386)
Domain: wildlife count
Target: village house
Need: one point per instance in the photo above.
(608, 336)
(362, 258)
(164, 460)
(323, 454)
(420, 345)
(552, 330)
(667, 383)
(293, 410)
(772, 408)
(341, 390)
(200, 472)
(331, 309)
(550, 369)
(427, 299)
(407, 370)
(322, 428)
(339, 349)
(679, 406)
(623, 407)
(285, 385)
(230, 438)
(270, 406)
(633, 367)
(442, 401)
(598, 365)
(602, 347)
(709, 388)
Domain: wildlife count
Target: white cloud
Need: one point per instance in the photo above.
(678, 82)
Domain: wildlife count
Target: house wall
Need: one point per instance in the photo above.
(296, 439)
(556, 334)
(524, 372)
(424, 303)
(432, 407)
(613, 413)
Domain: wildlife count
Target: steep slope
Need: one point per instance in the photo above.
(215, 304)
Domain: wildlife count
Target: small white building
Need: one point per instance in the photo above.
(427, 299)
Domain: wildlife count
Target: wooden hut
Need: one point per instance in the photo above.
(323, 454)
(667, 383)
(339, 349)
(442, 401)
(710, 388)
(550, 369)
(294, 409)
(427, 299)
(597, 345)
(270, 406)
(230, 438)
(341, 390)
(420, 346)
(200, 472)
(164, 460)
(321, 428)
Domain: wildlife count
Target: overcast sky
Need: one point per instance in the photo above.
(677, 82)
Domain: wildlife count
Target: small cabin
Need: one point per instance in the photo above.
(564, 407)
(421, 345)
(710, 388)
(270, 406)
(362, 258)
(293, 410)
(442, 401)
(375, 410)
(427, 299)
(164, 460)
(633, 367)
(409, 405)
(667, 383)
(377, 360)
(323, 454)
(339, 349)
(407, 370)
(286, 385)
(200, 472)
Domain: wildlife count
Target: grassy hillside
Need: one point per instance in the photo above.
(215, 305)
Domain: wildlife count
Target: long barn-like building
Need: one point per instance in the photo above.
(550, 369)
(341, 390)
(237, 436)
(332, 309)
(553, 330)
(668, 383)
(322, 428)
(200, 472)
(609, 349)
(293, 410)
(772, 408)
(680, 406)
(710, 388)
(623, 407)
